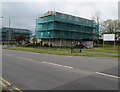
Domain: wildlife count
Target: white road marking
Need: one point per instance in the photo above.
(19, 56)
(58, 65)
(68, 67)
(36, 53)
(30, 59)
(107, 75)
(25, 58)
(44, 62)
(55, 64)
(22, 57)
(69, 56)
(8, 54)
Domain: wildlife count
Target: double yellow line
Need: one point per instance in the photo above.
(8, 84)
(3, 84)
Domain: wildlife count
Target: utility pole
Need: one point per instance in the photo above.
(10, 33)
(9, 22)
(49, 41)
(2, 21)
(71, 42)
(2, 29)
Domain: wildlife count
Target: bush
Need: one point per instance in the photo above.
(3, 90)
(97, 45)
(32, 45)
(29, 45)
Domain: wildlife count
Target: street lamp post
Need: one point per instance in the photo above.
(9, 22)
(1, 32)
(50, 41)
(2, 20)
(9, 29)
(71, 43)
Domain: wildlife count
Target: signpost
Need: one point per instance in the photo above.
(108, 37)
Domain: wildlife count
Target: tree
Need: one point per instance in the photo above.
(110, 26)
(19, 38)
(34, 40)
(96, 17)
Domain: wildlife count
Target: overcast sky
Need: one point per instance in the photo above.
(24, 14)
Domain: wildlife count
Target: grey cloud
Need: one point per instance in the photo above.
(24, 14)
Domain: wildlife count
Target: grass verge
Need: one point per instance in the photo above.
(105, 49)
(2, 90)
(58, 52)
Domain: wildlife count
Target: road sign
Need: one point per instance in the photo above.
(109, 37)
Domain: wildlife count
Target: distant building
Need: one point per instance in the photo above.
(61, 29)
(8, 34)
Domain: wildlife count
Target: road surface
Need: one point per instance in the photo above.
(38, 71)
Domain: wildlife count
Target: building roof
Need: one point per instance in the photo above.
(63, 14)
(15, 28)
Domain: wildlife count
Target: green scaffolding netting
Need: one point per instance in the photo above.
(58, 26)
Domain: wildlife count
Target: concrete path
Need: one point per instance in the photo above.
(100, 53)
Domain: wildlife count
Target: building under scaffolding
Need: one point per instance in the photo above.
(60, 29)
(8, 34)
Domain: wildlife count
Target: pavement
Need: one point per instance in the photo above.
(38, 71)
(101, 53)
(7, 46)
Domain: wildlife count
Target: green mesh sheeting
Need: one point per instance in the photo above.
(59, 26)
(10, 33)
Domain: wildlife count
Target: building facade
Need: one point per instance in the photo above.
(8, 34)
(61, 29)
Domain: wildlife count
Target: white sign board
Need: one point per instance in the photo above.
(109, 37)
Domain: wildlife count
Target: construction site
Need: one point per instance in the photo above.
(63, 30)
(8, 34)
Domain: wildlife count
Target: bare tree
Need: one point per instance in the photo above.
(96, 17)
(34, 40)
(110, 26)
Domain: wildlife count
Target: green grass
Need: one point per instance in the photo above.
(105, 49)
(2, 90)
(40, 50)
(58, 52)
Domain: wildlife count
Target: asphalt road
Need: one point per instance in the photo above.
(38, 71)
